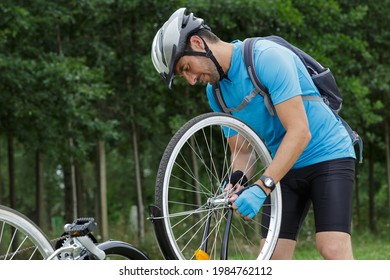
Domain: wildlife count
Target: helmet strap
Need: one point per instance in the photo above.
(210, 55)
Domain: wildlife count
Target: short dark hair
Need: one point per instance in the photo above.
(205, 34)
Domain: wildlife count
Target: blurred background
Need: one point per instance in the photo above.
(85, 118)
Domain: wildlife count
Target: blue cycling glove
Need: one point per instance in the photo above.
(234, 178)
(250, 200)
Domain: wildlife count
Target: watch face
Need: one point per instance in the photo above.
(268, 182)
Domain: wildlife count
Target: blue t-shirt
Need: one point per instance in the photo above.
(285, 76)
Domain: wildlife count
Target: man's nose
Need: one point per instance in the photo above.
(190, 77)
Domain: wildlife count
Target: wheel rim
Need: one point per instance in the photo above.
(20, 239)
(185, 216)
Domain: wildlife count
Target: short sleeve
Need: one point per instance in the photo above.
(278, 72)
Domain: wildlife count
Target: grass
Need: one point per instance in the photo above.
(371, 247)
(366, 245)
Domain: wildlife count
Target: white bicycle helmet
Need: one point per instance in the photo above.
(170, 42)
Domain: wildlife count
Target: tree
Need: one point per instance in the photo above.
(77, 75)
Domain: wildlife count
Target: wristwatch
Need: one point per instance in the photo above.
(268, 182)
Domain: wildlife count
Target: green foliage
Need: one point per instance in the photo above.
(76, 69)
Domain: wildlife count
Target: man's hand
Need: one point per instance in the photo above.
(248, 202)
(234, 182)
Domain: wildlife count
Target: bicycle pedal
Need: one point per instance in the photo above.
(81, 227)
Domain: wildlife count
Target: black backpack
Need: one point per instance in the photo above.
(321, 76)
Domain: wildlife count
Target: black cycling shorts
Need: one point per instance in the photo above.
(328, 186)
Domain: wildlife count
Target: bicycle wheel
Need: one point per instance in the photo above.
(119, 250)
(193, 209)
(20, 238)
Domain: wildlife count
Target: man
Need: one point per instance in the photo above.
(313, 155)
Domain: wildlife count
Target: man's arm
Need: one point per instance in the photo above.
(293, 117)
(294, 120)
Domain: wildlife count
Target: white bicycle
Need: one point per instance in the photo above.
(22, 239)
(192, 217)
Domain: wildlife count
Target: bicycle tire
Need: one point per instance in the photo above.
(119, 250)
(181, 193)
(21, 238)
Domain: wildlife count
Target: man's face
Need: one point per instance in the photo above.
(197, 69)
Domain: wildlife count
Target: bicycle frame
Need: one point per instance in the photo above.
(73, 251)
(79, 239)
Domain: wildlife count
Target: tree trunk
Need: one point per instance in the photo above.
(73, 188)
(68, 196)
(82, 203)
(387, 141)
(40, 204)
(141, 222)
(97, 210)
(11, 172)
(371, 190)
(11, 175)
(70, 187)
(1, 177)
(102, 186)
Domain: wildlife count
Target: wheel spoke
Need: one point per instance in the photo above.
(189, 180)
(20, 238)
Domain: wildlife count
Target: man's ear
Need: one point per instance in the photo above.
(197, 43)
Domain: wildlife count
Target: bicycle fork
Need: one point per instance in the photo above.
(201, 253)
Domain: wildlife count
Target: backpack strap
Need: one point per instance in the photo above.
(356, 139)
(221, 102)
(219, 99)
(259, 88)
(248, 54)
